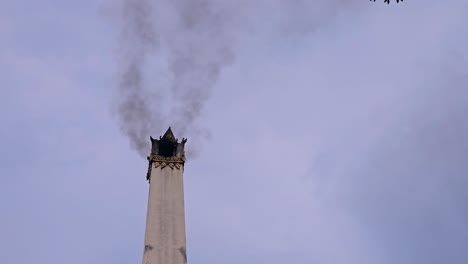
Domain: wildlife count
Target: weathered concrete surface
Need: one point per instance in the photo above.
(165, 227)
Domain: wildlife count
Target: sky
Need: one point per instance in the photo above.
(338, 135)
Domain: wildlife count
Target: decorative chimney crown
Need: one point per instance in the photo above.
(166, 151)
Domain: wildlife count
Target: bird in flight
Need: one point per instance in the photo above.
(388, 1)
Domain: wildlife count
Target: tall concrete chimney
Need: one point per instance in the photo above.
(165, 222)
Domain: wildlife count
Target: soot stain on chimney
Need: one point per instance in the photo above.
(148, 248)
(183, 251)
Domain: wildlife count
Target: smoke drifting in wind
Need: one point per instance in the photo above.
(135, 116)
(189, 38)
(193, 40)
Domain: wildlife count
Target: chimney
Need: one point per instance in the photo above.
(165, 221)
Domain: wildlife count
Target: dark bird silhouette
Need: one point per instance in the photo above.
(388, 1)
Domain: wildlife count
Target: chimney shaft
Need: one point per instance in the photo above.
(165, 223)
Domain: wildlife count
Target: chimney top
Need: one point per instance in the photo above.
(166, 151)
(168, 145)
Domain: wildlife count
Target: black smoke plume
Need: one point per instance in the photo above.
(189, 38)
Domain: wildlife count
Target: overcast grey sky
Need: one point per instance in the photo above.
(339, 135)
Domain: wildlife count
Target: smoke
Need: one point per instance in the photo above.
(189, 38)
(138, 40)
(173, 52)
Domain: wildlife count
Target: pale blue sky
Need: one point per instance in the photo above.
(339, 136)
